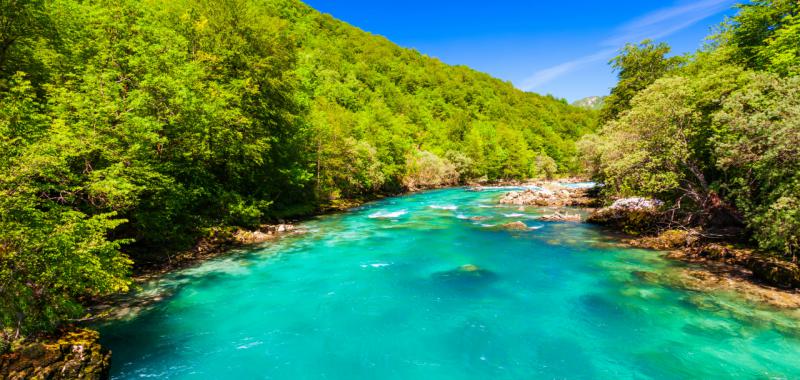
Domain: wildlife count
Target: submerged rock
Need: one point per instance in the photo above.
(516, 226)
(705, 281)
(647, 276)
(466, 275)
(469, 268)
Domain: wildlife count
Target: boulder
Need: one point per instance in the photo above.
(667, 240)
(636, 203)
(74, 355)
(530, 197)
(559, 217)
(515, 226)
(264, 233)
(632, 215)
(550, 195)
(774, 271)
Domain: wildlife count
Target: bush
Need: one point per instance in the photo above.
(426, 170)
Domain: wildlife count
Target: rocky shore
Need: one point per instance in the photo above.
(71, 354)
(74, 353)
(755, 275)
(718, 265)
(743, 262)
(216, 242)
(550, 194)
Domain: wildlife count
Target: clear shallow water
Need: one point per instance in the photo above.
(379, 293)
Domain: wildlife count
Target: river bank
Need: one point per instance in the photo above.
(758, 275)
(706, 276)
(464, 287)
(716, 264)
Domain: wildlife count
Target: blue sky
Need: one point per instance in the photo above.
(560, 48)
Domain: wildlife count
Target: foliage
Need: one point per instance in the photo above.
(637, 66)
(764, 36)
(718, 135)
(759, 149)
(127, 128)
(427, 170)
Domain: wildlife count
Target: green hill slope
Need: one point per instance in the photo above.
(136, 126)
(399, 101)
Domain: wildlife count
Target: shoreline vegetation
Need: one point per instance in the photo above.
(719, 262)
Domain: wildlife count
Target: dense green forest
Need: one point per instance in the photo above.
(127, 128)
(715, 134)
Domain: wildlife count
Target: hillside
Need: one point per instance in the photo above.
(128, 129)
(399, 101)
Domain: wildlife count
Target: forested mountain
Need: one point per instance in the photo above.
(131, 126)
(715, 134)
(368, 94)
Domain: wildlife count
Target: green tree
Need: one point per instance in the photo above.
(759, 149)
(764, 35)
(637, 66)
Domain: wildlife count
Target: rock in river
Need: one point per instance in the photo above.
(632, 215)
(549, 195)
(466, 275)
(560, 217)
(517, 226)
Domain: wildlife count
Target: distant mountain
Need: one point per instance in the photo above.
(590, 103)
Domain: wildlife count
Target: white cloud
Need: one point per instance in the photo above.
(654, 25)
(665, 22)
(546, 75)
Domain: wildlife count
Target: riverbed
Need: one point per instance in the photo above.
(429, 285)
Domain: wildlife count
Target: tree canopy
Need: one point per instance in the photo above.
(128, 127)
(716, 135)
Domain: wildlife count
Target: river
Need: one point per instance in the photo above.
(426, 286)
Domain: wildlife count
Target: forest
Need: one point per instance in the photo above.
(715, 134)
(130, 128)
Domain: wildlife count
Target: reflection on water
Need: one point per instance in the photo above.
(427, 286)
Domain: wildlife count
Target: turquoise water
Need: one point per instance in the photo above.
(381, 293)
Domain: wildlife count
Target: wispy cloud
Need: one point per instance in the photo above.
(546, 75)
(654, 25)
(665, 22)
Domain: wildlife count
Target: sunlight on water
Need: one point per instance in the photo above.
(427, 286)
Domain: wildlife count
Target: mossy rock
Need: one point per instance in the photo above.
(670, 239)
(634, 222)
(75, 354)
(774, 271)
